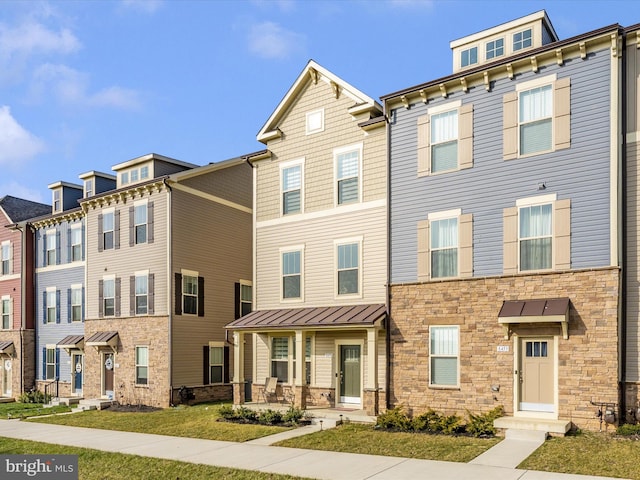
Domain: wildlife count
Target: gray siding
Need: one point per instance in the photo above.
(580, 173)
(103, 185)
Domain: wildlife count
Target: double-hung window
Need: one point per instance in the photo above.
(88, 188)
(144, 173)
(216, 363)
(140, 222)
(280, 358)
(469, 57)
(348, 270)
(76, 303)
(190, 294)
(57, 201)
(291, 188)
(134, 175)
(521, 40)
(50, 363)
(6, 313)
(444, 247)
(535, 119)
(348, 174)
(76, 243)
(109, 296)
(6, 257)
(292, 274)
(444, 141)
(443, 355)
(246, 298)
(51, 305)
(142, 365)
(535, 236)
(51, 239)
(141, 294)
(494, 48)
(108, 229)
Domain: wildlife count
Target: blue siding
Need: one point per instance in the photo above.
(580, 173)
(63, 231)
(103, 185)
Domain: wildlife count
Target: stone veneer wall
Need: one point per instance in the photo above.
(588, 360)
(132, 332)
(20, 383)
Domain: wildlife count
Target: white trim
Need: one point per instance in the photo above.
(517, 352)
(347, 241)
(456, 212)
(523, 21)
(536, 82)
(283, 166)
(189, 273)
(436, 385)
(525, 202)
(338, 151)
(319, 111)
(336, 368)
(291, 249)
(444, 107)
(50, 268)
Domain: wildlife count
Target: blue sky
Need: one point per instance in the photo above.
(85, 85)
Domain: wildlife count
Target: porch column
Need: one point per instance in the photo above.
(299, 387)
(238, 368)
(370, 401)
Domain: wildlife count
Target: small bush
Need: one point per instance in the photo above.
(394, 419)
(628, 430)
(293, 415)
(246, 414)
(34, 396)
(433, 422)
(270, 417)
(481, 425)
(227, 412)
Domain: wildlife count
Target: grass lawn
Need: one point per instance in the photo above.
(588, 453)
(198, 421)
(358, 438)
(96, 465)
(24, 410)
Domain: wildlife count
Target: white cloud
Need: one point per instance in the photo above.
(20, 191)
(145, 6)
(31, 38)
(71, 88)
(270, 40)
(16, 143)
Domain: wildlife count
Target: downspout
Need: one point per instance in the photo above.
(169, 289)
(623, 186)
(388, 297)
(254, 263)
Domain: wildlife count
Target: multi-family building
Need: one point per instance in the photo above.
(320, 242)
(17, 327)
(505, 228)
(165, 252)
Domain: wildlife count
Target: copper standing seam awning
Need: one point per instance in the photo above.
(103, 339)
(551, 310)
(352, 316)
(7, 348)
(71, 341)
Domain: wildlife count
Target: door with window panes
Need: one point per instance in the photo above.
(536, 375)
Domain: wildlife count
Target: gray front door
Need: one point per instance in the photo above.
(107, 375)
(350, 374)
(77, 368)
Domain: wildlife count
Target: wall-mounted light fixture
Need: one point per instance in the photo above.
(542, 186)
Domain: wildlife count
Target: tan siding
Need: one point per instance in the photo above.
(262, 357)
(510, 126)
(232, 183)
(632, 269)
(318, 237)
(465, 154)
(510, 240)
(562, 234)
(562, 113)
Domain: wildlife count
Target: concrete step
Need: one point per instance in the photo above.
(83, 408)
(97, 403)
(556, 427)
(526, 435)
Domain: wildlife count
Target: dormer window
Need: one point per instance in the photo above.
(522, 40)
(57, 201)
(469, 57)
(88, 188)
(495, 48)
(134, 175)
(144, 173)
(124, 178)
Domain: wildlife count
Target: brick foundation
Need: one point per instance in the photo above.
(587, 360)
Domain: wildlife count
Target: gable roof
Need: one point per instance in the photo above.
(19, 209)
(315, 72)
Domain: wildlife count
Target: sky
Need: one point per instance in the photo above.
(88, 84)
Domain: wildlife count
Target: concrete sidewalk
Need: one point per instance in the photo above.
(251, 456)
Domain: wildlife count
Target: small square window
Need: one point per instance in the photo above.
(134, 175)
(315, 121)
(521, 40)
(495, 48)
(469, 57)
(144, 172)
(124, 178)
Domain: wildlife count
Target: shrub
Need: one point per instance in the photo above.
(627, 429)
(227, 412)
(246, 414)
(270, 417)
(481, 425)
(394, 419)
(34, 396)
(293, 415)
(433, 422)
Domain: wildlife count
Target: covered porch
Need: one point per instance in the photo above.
(342, 366)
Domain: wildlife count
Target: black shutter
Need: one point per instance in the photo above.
(178, 292)
(57, 363)
(69, 306)
(118, 296)
(150, 294)
(132, 295)
(132, 233)
(58, 244)
(82, 241)
(236, 308)
(43, 237)
(225, 367)
(69, 247)
(44, 307)
(201, 296)
(205, 365)
(100, 234)
(100, 298)
(150, 222)
(44, 363)
(116, 229)
(57, 306)
(83, 302)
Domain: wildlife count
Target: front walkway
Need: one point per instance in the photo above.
(290, 461)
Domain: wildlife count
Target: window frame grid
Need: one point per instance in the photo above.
(139, 366)
(340, 179)
(432, 356)
(193, 296)
(283, 192)
(300, 273)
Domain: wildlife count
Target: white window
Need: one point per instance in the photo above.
(51, 239)
(469, 57)
(535, 116)
(291, 188)
(6, 257)
(246, 298)
(142, 365)
(142, 293)
(6, 312)
(444, 141)
(280, 358)
(348, 270)
(57, 201)
(124, 178)
(88, 188)
(108, 229)
(109, 296)
(315, 121)
(347, 174)
(216, 363)
(292, 274)
(144, 172)
(522, 40)
(190, 293)
(535, 237)
(444, 247)
(134, 175)
(443, 355)
(140, 222)
(50, 363)
(51, 305)
(76, 303)
(76, 243)
(495, 48)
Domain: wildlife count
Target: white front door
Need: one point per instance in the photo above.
(5, 378)
(537, 375)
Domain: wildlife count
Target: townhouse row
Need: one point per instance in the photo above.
(467, 243)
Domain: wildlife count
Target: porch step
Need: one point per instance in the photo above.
(555, 427)
(94, 404)
(69, 401)
(7, 400)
